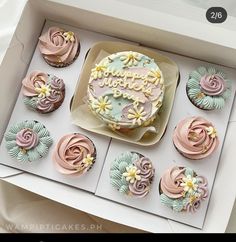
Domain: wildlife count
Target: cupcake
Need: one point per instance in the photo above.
(43, 92)
(59, 47)
(195, 138)
(182, 190)
(74, 154)
(208, 89)
(126, 90)
(28, 141)
(131, 173)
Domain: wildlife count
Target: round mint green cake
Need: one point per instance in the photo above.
(28, 141)
(208, 88)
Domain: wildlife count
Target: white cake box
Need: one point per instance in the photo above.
(156, 29)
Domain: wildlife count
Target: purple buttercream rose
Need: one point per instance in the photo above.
(212, 85)
(27, 139)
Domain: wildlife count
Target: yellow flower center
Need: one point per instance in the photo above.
(138, 115)
(99, 68)
(103, 105)
(43, 90)
(189, 184)
(131, 57)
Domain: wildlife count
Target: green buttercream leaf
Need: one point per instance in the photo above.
(228, 84)
(14, 129)
(219, 102)
(212, 70)
(221, 74)
(30, 102)
(115, 174)
(10, 136)
(166, 200)
(188, 171)
(123, 180)
(192, 93)
(116, 183)
(14, 151)
(33, 154)
(42, 133)
(207, 102)
(226, 94)
(202, 70)
(122, 167)
(46, 140)
(22, 157)
(42, 149)
(10, 144)
(38, 127)
(30, 124)
(21, 125)
(193, 83)
(134, 157)
(195, 75)
(115, 165)
(124, 189)
(178, 205)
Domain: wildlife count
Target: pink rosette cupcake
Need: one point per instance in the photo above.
(195, 138)
(59, 47)
(74, 154)
(43, 92)
(182, 189)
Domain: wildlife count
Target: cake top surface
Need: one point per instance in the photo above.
(126, 88)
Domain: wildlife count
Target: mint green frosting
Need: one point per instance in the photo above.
(118, 167)
(41, 150)
(198, 97)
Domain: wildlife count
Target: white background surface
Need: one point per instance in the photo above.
(13, 8)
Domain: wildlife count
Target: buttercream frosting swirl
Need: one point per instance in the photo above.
(212, 85)
(195, 138)
(43, 92)
(140, 188)
(182, 189)
(34, 80)
(71, 153)
(132, 173)
(59, 46)
(171, 180)
(27, 139)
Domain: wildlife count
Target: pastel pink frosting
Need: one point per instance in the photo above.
(171, 180)
(69, 154)
(212, 85)
(192, 140)
(56, 48)
(27, 139)
(34, 80)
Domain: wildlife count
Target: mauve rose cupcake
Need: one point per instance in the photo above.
(28, 141)
(43, 92)
(195, 138)
(59, 47)
(74, 154)
(181, 189)
(208, 88)
(131, 173)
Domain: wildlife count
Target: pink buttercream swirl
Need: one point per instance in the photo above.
(34, 80)
(70, 152)
(212, 85)
(27, 139)
(170, 182)
(142, 187)
(56, 47)
(192, 140)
